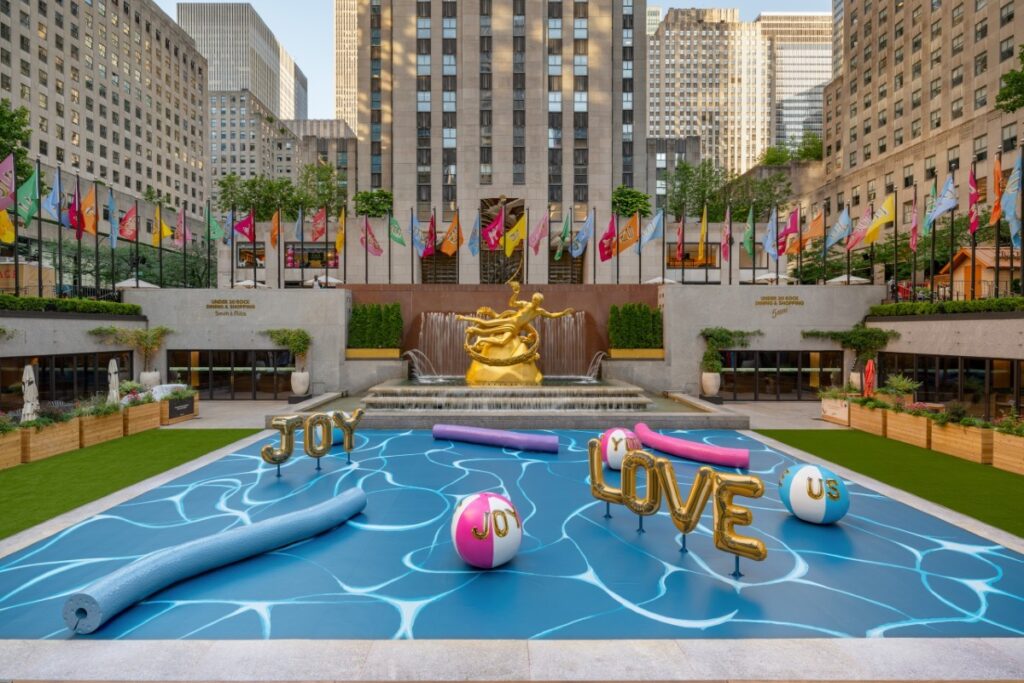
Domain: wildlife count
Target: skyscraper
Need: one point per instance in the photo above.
(837, 37)
(653, 19)
(346, 60)
(710, 76)
(801, 65)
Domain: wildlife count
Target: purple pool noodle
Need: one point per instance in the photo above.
(547, 443)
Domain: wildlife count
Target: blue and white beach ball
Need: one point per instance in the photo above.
(814, 494)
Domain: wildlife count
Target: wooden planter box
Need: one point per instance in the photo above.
(173, 412)
(93, 430)
(141, 418)
(49, 441)
(10, 449)
(373, 354)
(969, 443)
(912, 429)
(636, 354)
(1008, 452)
(836, 411)
(868, 420)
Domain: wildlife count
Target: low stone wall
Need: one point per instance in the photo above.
(981, 335)
(44, 333)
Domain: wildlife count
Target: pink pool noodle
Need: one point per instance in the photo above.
(692, 450)
(497, 437)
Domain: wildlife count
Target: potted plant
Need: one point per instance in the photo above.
(955, 433)
(375, 332)
(52, 433)
(899, 389)
(910, 423)
(835, 404)
(141, 413)
(719, 339)
(635, 332)
(298, 342)
(10, 442)
(868, 415)
(178, 406)
(864, 341)
(145, 341)
(1008, 444)
(99, 421)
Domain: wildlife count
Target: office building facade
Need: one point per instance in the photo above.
(654, 13)
(346, 60)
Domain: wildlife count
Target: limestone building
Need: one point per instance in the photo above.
(346, 60)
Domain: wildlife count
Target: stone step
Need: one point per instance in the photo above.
(507, 402)
(598, 420)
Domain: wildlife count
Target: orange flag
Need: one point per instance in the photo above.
(817, 227)
(89, 217)
(453, 240)
(629, 234)
(275, 228)
(997, 191)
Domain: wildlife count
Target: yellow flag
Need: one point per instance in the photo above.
(161, 230)
(516, 235)
(886, 214)
(703, 235)
(339, 240)
(6, 228)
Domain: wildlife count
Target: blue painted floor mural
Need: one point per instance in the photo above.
(885, 570)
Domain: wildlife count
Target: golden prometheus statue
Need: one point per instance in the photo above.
(504, 345)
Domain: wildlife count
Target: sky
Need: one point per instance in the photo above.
(306, 29)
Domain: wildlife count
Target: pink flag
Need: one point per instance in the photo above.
(606, 246)
(914, 227)
(368, 240)
(727, 234)
(247, 227)
(319, 225)
(7, 183)
(431, 244)
(494, 230)
(679, 240)
(128, 228)
(792, 228)
(972, 210)
(182, 235)
(858, 232)
(75, 219)
(539, 233)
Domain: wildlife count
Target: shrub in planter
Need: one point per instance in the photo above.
(910, 423)
(298, 342)
(146, 342)
(99, 421)
(10, 442)
(835, 404)
(52, 433)
(864, 341)
(1008, 445)
(868, 415)
(141, 413)
(955, 433)
(376, 326)
(899, 389)
(635, 326)
(178, 406)
(717, 340)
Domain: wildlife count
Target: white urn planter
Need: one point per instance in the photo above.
(710, 383)
(149, 379)
(300, 383)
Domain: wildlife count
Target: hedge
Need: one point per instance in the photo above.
(910, 308)
(635, 326)
(31, 303)
(375, 326)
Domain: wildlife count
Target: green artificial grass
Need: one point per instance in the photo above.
(988, 494)
(38, 491)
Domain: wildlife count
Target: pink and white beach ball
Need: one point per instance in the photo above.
(486, 530)
(616, 443)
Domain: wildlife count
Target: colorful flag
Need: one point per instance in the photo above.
(90, 216)
(112, 218)
(431, 244)
(679, 236)
(395, 231)
(841, 230)
(181, 234)
(929, 203)
(247, 227)
(368, 240)
(997, 191)
(861, 229)
(748, 234)
(158, 227)
(915, 228)
(28, 198)
(885, 214)
(817, 227)
(771, 236)
(6, 227)
(216, 230)
(629, 234)
(339, 239)
(1011, 205)
(416, 236)
(128, 228)
(540, 232)
(516, 235)
(606, 246)
(946, 200)
(74, 215)
(474, 237)
(701, 256)
(52, 203)
(792, 228)
(726, 238)
(275, 228)
(452, 240)
(494, 230)
(319, 225)
(7, 183)
(565, 236)
(582, 238)
(973, 219)
(654, 229)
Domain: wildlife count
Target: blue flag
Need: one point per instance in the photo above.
(474, 237)
(51, 204)
(652, 231)
(112, 218)
(417, 238)
(300, 225)
(579, 242)
(1010, 203)
(945, 202)
(841, 230)
(771, 237)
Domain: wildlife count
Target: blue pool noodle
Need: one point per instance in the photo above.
(100, 601)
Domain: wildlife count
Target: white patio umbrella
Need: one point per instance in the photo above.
(248, 284)
(130, 284)
(30, 394)
(661, 281)
(854, 280)
(113, 382)
(322, 280)
(770, 277)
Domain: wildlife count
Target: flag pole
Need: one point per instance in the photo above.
(113, 250)
(952, 231)
(753, 245)
(640, 256)
(280, 248)
(1020, 199)
(593, 246)
(682, 247)
(824, 250)
(231, 240)
(138, 233)
(931, 266)
(999, 224)
(526, 249)
(327, 247)
(159, 227)
(14, 189)
(79, 218)
(388, 217)
(974, 237)
(344, 244)
(776, 238)
(458, 247)
(253, 242)
(60, 233)
(184, 244)
(618, 256)
(664, 248)
(209, 250)
(895, 246)
(707, 267)
(96, 240)
(366, 252)
(729, 243)
(913, 252)
(800, 246)
(412, 250)
(39, 228)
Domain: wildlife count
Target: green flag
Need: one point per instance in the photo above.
(563, 239)
(929, 202)
(28, 198)
(395, 232)
(216, 231)
(748, 234)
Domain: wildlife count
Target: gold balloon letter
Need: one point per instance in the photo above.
(727, 515)
(347, 423)
(286, 424)
(318, 448)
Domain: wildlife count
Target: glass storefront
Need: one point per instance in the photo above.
(65, 378)
(989, 388)
(779, 375)
(233, 375)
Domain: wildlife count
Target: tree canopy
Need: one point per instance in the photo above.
(627, 201)
(15, 135)
(1011, 95)
(691, 188)
(318, 186)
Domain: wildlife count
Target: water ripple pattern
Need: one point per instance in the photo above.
(886, 570)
